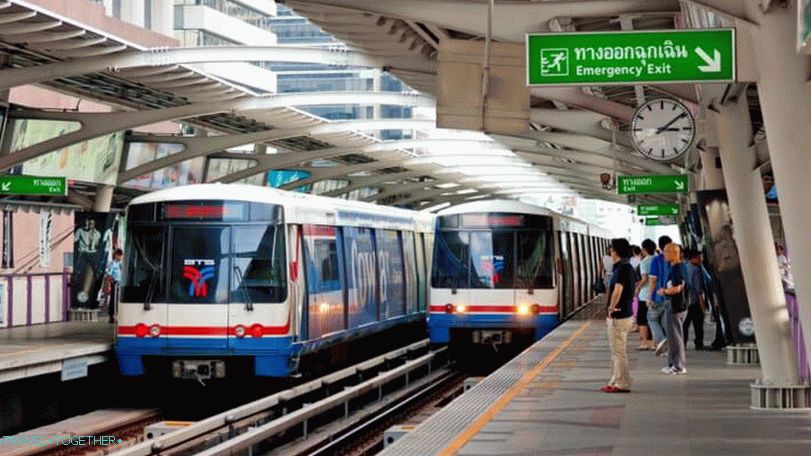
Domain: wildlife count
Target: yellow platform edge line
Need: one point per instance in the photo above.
(465, 436)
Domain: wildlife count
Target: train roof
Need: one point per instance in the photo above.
(299, 207)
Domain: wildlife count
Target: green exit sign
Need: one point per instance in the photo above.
(652, 221)
(598, 58)
(33, 185)
(658, 209)
(640, 185)
(657, 221)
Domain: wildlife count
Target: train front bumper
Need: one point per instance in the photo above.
(441, 324)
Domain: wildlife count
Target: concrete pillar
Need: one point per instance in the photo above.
(753, 235)
(104, 198)
(785, 100)
(711, 176)
(133, 11)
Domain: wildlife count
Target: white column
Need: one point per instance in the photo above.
(712, 177)
(132, 11)
(163, 16)
(104, 198)
(785, 100)
(753, 235)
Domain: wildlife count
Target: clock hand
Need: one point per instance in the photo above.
(659, 130)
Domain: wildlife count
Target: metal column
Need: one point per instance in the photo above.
(753, 235)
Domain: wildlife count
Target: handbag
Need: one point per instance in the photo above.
(598, 287)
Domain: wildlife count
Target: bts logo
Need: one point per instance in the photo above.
(198, 272)
(492, 266)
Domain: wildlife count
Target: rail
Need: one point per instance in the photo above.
(33, 298)
(248, 415)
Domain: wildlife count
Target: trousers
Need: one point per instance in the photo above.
(618, 329)
(675, 337)
(695, 317)
(656, 313)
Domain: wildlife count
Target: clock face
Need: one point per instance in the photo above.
(663, 129)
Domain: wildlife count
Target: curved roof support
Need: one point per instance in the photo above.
(373, 180)
(98, 124)
(342, 170)
(214, 54)
(407, 188)
(199, 146)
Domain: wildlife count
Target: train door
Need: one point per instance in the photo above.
(589, 263)
(575, 269)
(199, 283)
(584, 285)
(565, 283)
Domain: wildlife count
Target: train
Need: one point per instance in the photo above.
(217, 277)
(507, 273)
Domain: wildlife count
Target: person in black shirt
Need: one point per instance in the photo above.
(620, 316)
(675, 311)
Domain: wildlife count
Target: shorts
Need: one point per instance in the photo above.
(642, 314)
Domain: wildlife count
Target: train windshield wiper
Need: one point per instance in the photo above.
(248, 302)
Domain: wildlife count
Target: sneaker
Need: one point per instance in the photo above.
(662, 347)
(681, 371)
(668, 371)
(608, 389)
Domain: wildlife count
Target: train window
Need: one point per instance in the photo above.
(361, 262)
(534, 263)
(491, 254)
(143, 272)
(422, 248)
(200, 265)
(390, 264)
(258, 264)
(451, 254)
(324, 281)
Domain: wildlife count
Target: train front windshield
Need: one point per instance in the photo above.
(493, 251)
(205, 252)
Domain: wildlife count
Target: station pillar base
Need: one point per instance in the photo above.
(743, 355)
(795, 398)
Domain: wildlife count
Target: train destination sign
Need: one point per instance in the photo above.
(33, 185)
(630, 57)
(656, 221)
(640, 185)
(658, 209)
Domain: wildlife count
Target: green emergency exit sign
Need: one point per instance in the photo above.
(658, 209)
(640, 185)
(599, 58)
(33, 185)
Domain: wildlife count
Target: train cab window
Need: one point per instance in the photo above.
(143, 278)
(451, 265)
(534, 262)
(200, 264)
(491, 255)
(258, 271)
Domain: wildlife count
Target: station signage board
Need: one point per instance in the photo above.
(33, 185)
(658, 209)
(657, 221)
(635, 57)
(641, 185)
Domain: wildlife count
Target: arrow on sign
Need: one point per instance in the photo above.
(679, 185)
(6, 186)
(674, 210)
(713, 64)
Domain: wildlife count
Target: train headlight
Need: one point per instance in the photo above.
(323, 307)
(257, 330)
(240, 331)
(536, 309)
(141, 330)
(523, 309)
(460, 308)
(155, 330)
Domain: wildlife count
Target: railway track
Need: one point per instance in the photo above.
(308, 412)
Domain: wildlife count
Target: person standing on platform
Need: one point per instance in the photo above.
(657, 278)
(112, 280)
(607, 268)
(620, 316)
(696, 307)
(675, 311)
(646, 341)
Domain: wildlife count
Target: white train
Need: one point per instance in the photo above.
(225, 274)
(505, 270)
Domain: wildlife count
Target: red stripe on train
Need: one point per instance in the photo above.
(206, 330)
(492, 309)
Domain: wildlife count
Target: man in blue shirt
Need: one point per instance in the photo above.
(659, 271)
(696, 306)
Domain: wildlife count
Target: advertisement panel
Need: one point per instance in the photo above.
(95, 238)
(95, 160)
(184, 173)
(723, 257)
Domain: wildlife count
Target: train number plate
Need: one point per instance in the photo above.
(491, 337)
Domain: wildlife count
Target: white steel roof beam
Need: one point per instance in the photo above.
(216, 54)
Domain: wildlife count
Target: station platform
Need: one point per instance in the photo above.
(547, 401)
(66, 347)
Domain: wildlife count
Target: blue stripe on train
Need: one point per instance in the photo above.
(272, 354)
(440, 324)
